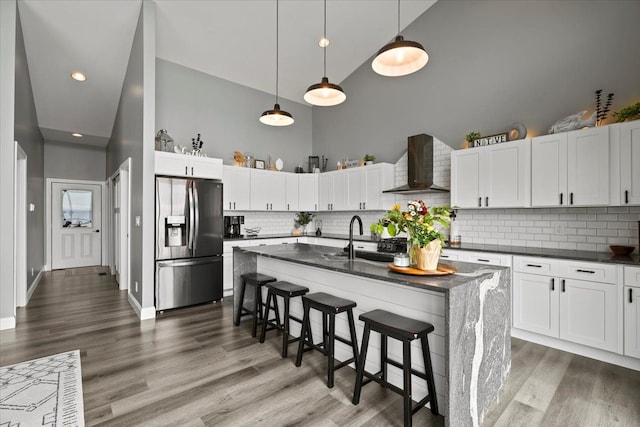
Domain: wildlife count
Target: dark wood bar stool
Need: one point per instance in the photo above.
(329, 306)
(405, 330)
(257, 280)
(287, 291)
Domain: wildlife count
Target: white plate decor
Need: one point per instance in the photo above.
(279, 164)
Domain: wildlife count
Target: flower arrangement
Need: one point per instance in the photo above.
(418, 221)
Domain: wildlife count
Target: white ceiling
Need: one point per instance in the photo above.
(233, 40)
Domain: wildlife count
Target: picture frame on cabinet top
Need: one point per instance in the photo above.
(259, 164)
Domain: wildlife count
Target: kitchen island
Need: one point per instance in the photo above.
(470, 310)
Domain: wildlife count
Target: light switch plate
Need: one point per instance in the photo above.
(137, 220)
(32, 207)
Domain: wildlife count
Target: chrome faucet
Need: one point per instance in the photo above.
(352, 252)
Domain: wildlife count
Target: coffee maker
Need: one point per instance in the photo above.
(232, 225)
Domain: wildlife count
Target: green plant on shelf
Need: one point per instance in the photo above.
(303, 218)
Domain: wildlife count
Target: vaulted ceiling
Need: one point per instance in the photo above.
(232, 40)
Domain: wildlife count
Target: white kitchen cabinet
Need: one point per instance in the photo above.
(333, 191)
(495, 176)
(182, 165)
(536, 303)
(355, 188)
(629, 162)
(307, 192)
(377, 178)
(292, 191)
(268, 190)
(237, 188)
(551, 297)
(485, 258)
(588, 166)
(450, 255)
(570, 168)
(631, 297)
(632, 321)
(589, 313)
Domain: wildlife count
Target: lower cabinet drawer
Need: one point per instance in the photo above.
(535, 265)
(590, 271)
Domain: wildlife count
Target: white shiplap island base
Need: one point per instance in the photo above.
(470, 310)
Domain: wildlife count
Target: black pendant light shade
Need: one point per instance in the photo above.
(325, 94)
(276, 117)
(400, 57)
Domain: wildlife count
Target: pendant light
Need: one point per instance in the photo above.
(276, 117)
(325, 94)
(400, 57)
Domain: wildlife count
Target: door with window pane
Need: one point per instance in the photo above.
(76, 238)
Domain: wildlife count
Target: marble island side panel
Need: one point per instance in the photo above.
(470, 311)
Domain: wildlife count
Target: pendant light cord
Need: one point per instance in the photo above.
(277, 46)
(325, 37)
(398, 18)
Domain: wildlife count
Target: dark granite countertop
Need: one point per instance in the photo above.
(328, 258)
(607, 257)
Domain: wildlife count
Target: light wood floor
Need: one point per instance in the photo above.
(192, 367)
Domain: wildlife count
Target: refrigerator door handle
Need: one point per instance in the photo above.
(190, 193)
(187, 262)
(196, 214)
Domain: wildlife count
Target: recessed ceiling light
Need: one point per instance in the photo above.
(324, 42)
(77, 135)
(77, 75)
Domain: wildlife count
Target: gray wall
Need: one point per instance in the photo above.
(226, 115)
(28, 135)
(491, 63)
(74, 161)
(127, 140)
(8, 12)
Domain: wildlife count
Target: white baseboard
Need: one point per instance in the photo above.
(46, 267)
(34, 285)
(582, 350)
(7, 323)
(143, 313)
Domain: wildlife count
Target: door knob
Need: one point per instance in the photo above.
(97, 231)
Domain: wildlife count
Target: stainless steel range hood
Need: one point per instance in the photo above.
(420, 167)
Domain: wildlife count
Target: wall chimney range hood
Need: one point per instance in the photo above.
(420, 167)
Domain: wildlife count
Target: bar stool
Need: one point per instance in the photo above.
(256, 280)
(329, 306)
(405, 330)
(287, 291)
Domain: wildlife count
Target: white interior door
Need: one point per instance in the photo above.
(116, 226)
(76, 238)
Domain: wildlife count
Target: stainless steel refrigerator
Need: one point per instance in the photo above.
(189, 232)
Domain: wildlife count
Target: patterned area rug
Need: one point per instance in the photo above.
(42, 392)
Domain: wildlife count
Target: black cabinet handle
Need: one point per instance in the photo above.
(444, 256)
(570, 198)
(534, 265)
(364, 205)
(486, 201)
(186, 170)
(479, 202)
(586, 271)
(560, 198)
(630, 295)
(553, 284)
(563, 287)
(191, 170)
(626, 196)
(483, 260)
(288, 206)
(234, 205)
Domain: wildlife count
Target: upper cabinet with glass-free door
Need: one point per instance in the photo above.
(570, 169)
(625, 173)
(494, 176)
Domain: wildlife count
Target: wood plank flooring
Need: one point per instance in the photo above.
(192, 367)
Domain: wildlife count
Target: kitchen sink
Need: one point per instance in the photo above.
(370, 256)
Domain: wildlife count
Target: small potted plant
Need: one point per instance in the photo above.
(369, 159)
(471, 136)
(303, 219)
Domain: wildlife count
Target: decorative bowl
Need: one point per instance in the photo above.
(622, 250)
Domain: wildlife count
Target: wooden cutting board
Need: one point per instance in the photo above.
(443, 270)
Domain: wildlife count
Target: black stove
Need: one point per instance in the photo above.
(393, 245)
